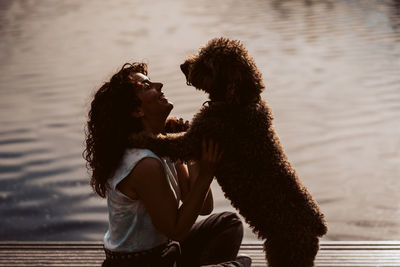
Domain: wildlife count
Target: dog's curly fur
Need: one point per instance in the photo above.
(254, 173)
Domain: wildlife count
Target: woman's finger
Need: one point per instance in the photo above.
(215, 152)
(220, 156)
(203, 147)
(210, 147)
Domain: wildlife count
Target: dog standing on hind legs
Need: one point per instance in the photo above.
(254, 172)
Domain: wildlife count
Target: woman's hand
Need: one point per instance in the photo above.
(175, 125)
(210, 157)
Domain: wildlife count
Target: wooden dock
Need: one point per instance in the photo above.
(90, 254)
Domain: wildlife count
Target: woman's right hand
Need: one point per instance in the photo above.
(210, 157)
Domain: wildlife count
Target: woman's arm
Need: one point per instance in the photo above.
(148, 180)
(187, 177)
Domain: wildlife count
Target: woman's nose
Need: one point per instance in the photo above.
(159, 86)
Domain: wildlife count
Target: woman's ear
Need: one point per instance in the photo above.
(138, 113)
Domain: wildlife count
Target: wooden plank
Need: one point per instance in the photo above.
(90, 254)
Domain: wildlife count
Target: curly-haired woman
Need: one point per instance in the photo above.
(152, 201)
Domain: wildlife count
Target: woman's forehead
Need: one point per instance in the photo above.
(139, 77)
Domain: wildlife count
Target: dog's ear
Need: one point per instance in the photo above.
(208, 81)
(232, 96)
(234, 80)
(242, 86)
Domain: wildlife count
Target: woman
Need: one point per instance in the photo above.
(144, 191)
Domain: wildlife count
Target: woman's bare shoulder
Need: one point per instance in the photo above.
(147, 169)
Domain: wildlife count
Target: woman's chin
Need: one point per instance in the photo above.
(170, 104)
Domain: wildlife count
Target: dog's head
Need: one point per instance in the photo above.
(225, 71)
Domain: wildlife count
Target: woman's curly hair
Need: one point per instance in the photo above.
(110, 122)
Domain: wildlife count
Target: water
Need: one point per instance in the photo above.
(332, 72)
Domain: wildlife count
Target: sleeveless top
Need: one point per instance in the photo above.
(130, 226)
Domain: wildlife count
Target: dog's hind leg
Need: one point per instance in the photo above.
(299, 251)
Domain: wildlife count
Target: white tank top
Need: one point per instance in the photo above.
(130, 226)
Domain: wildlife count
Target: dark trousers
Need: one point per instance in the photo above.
(212, 242)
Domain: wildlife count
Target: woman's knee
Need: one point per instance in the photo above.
(226, 240)
(230, 220)
(230, 217)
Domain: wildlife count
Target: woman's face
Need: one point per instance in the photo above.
(154, 103)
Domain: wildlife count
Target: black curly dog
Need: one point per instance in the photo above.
(254, 173)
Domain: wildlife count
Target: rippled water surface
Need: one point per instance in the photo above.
(332, 70)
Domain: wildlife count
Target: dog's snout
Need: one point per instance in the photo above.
(185, 68)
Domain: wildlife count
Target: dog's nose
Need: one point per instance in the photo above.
(184, 68)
